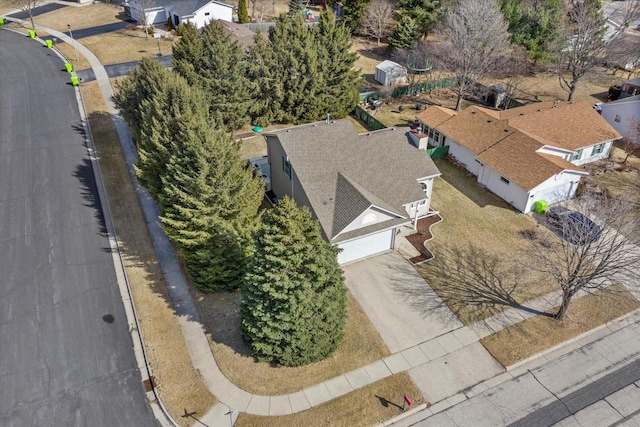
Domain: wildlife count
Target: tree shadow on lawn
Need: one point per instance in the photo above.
(474, 284)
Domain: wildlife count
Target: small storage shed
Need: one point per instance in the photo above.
(390, 73)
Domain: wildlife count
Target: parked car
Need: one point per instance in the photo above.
(575, 227)
(262, 169)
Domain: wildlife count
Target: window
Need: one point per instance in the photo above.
(286, 166)
(431, 133)
(505, 180)
(597, 149)
(436, 136)
(618, 118)
(576, 156)
(369, 218)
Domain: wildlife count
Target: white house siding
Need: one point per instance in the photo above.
(586, 154)
(154, 15)
(623, 115)
(366, 219)
(206, 13)
(363, 247)
(463, 156)
(511, 192)
(559, 187)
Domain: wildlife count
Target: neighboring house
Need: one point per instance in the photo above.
(198, 12)
(623, 115)
(523, 154)
(630, 88)
(360, 187)
(239, 32)
(390, 73)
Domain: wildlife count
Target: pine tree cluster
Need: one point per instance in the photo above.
(294, 299)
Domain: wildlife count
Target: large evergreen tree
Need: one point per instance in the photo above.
(294, 300)
(218, 65)
(296, 7)
(300, 75)
(336, 64)
(243, 14)
(143, 83)
(423, 12)
(209, 203)
(405, 33)
(286, 72)
(353, 14)
(158, 131)
(535, 25)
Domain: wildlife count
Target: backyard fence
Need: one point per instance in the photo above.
(438, 153)
(424, 87)
(370, 121)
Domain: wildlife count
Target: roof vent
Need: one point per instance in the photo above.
(539, 110)
(473, 112)
(489, 121)
(522, 114)
(506, 130)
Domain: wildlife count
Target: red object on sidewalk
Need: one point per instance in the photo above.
(407, 400)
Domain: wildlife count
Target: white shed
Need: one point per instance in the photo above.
(390, 73)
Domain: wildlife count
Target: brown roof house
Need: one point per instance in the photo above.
(362, 188)
(524, 154)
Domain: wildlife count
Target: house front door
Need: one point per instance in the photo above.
(176, 20)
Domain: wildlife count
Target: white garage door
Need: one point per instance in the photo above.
(365, 246)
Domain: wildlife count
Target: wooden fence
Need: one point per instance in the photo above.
(370, 121)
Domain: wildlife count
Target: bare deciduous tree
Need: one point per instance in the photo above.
(259, 9)
(515, 68)
(586, 40)
(631, 139)
(26, 6)
(591, 255)
(377, 19)
(417, 62)
(474, 38)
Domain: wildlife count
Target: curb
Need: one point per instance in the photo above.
(402, 416)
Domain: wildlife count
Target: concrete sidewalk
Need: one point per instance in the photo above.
(447, 362)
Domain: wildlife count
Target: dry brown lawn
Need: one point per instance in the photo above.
(542, 332)
(480, 251)
(80, 17)
(220, 313)
(369, 405)
(125, 46)
(178, 382)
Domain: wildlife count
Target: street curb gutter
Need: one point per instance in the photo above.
(159, 411)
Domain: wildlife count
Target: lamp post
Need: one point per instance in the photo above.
(73, 42)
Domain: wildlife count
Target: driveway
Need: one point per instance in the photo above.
(397, 300)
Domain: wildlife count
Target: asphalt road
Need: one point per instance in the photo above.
(66, 357)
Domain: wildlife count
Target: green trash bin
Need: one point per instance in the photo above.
(1, 22)
(74, 80)
(49, 43)
(32, 34)
(540, 206)
(69, 67)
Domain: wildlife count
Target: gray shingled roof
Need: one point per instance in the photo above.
(344, 173)
(183, 7)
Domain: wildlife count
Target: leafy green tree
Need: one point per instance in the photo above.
(353, 14)
(296, 7)
(209, 204)
(294, 300)
(218, 65)
(143, 83)
(336, 64)
(243, 14)
(404, 34)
